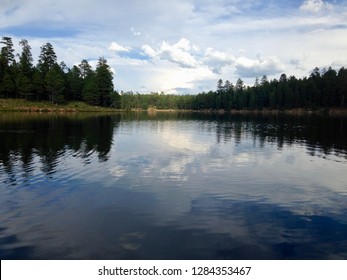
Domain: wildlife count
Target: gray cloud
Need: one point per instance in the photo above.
(216, 60)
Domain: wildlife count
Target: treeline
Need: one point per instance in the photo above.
(48, 80)
(322, 89)
(57, 83)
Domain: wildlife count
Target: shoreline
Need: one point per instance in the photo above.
(265, 111)
(20, 105)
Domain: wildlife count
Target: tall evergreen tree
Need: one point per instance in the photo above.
(7, 65)
(85, 69)
(25, 70)
(25, 58)
(47, 58)
(219, 86)
(7, 52)
(104, 79)
(239, 94)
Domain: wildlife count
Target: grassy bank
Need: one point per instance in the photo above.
(21, 105)
(45, 106)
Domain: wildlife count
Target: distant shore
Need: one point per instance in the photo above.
(296, 111)
(20, 105)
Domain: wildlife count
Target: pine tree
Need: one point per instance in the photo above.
(7, 68)
(7, 53)
(104, 82)
(25, 71)
(85, 69)
(47, 58)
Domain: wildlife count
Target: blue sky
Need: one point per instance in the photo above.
(180, 46)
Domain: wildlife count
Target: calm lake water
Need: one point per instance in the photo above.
(172, 186)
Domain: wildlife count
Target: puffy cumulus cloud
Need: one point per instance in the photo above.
(315, 6)
(216, 60)
(187, 55)
(177, 53)
(250, 68)
(118, 48)
(185, 45)
(149, 51)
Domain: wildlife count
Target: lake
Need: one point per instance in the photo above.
(173, 186)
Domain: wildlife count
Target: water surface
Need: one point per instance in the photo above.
(172, 186)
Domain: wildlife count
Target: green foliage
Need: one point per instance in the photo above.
(7, 53)
(54, 83)
(74, 84)
(38, 85)
(104, 82)
(24, 78)
(47, 58)
(25, 59)
(90, 90)
(8, 86)
(24, 85)
(85, 69)
(7, 68)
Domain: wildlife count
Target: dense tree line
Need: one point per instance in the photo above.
(48, 80)
(57, 83)
(322, 89)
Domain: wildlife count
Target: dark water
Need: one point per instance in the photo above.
(172, 186)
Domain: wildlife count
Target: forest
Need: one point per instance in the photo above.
(53, 81)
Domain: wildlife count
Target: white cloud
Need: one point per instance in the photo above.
(315, 6)
(250, 68)
(177, 53)
(216, 60)
(148, 50)
(183, 44)
(118, 48)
